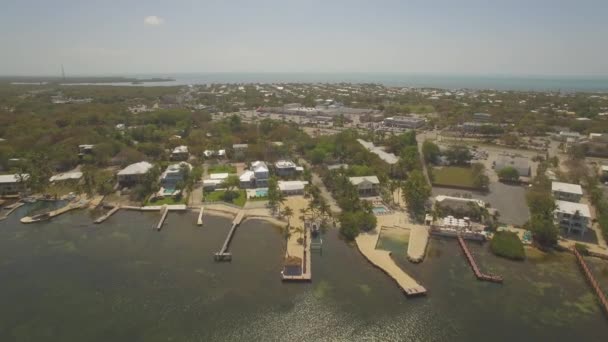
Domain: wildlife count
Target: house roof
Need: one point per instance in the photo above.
(237, 146)
(218, 176)
(259, 166)
(14, 178)
(66, 176)
(291, 185)
(246, 176)
(283, 164)
(572, 207)
(136, 169)
(180, 149)
(442, 198)
(369, 179)
(567, 187)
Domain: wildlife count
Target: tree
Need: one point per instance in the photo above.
(348, 226)
(273, 193)
(458, 155)
(231, 183)
(480, 180)
(544, 231)
(508, 174)
(415, 193)
(288, 212)
(430, 151)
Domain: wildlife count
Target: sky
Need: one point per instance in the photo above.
(497, 37)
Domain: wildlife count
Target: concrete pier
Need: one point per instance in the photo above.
(107, 215)
(419, 239)
(9, 209)
(473, 263)
(163, 215)
(591, 279)
(47, 216)
(199, 221)
(223, 254)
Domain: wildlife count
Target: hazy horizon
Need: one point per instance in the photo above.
(471, 37)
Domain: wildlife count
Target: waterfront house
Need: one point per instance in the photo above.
(174, 174)
(247, 180)
(572, 217)
(12, 184)
(566, 191)
(133, 173)
(180, 153)
(292, 187)
(256, 177)
(367, 185)
(285, 168)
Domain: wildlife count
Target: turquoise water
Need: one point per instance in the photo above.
(71, 280)
(379, 210)
(261, 192)
(447, 81)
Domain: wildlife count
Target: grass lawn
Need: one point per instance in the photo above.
(219, 196)
(166, 200)
(453, 176)
(507, 245)
(221, 168)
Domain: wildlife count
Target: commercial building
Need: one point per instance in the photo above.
(367, 185)
(566, 191)
(133, 173)
(411, 122)
(573, 217)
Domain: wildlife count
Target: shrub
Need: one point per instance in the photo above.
(583, 249)
(507, 245)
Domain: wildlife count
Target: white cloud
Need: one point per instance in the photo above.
(153, 20)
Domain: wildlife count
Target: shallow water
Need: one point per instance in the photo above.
(72, 280)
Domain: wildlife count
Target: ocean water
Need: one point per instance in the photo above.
(71, 280)
(443, 81)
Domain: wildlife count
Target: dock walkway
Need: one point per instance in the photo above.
(419, 239)
(163, 216)
(223, 254)
(107, 215)
(9, 209)
(199, 221)
(366, 243)
(306, 274)
(47, 216)
(473, 263)
(592, 281)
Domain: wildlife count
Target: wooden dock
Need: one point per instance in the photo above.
(481, 276)
(199, 221)
(223, 254)
(9, 209)
(108, 214)
(163, 216)
(592, 281)
(306, 265)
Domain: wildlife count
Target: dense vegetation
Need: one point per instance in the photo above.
(508, 245)
(541, 204)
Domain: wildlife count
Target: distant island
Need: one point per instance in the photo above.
(83, 79)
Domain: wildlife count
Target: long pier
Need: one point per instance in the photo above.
(594, 284)
(223, 254)
(199, 221)
(108, 214)
(164, 211)
(481, 276)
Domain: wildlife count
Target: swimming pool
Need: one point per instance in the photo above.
(261, 192)
(380, 210)
(168, 191)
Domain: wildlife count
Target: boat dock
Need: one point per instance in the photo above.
(46, 216)
(199, 221)
(108, 214)
(592, 281)
(9, 209)
(305, 272)
(419, 239)
(366, 243)
(223, 254)
(473, 263)
(163, 216)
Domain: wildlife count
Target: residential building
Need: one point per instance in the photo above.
(247, 180)
(522, 165)
(566, 191)
(174, 174)
(256, 177)
(337, 167)
(412, 122)
(180, 153)
(133, 173)
(292, 187)
(367, 185)
(12, 184)
(573, 217)
(285, 168)
(85, 149)
(565, 135)
(209, 153)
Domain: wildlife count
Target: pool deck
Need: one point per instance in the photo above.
(366, 243)
(419, 239)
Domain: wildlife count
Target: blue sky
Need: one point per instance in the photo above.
(459, 37)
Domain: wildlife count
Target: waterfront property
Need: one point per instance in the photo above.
(174, 174)
(12, 184)
(567, 191)
(133, 173)
(256, 177)
(572, 216)
(367, 185)
(289, 188)
(286, 168)
(180, 153)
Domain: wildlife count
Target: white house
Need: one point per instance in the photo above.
(133, 173)
(215, 181)
(572, 216)
(292, 187)
(180, 153)
(367, 185)
(66, 176)
(261, 173)
(567, 191)
(12, 184)
(247, 180)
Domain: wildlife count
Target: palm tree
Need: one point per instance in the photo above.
(299, 230)
(288, 212)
